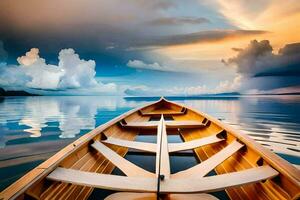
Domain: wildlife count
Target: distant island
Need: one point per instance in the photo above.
(15, 93)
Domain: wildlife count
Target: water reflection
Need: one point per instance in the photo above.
(72, 114)
(34, 128)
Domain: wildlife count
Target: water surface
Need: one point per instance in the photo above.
(34, 128)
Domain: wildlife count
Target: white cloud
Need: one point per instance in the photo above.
(70, 75)
(77, 73)
(30, 57)
(138, 64)
(229, 86)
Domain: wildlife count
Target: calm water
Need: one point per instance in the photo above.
(34, 128)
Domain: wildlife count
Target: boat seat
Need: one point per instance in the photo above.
(158, 113)
(104, 181)
(172, 147)
(124, 165)
(169, 124)
(140, 184)
(208, 165)
(153, 196)
(143, 146)
(218, 182)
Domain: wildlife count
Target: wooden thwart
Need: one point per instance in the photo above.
(159, 113)
(218, 182)
(139, 184)
(208, 165)
(153, 196)
(169, 124)
(172, 147)
(143, 146)
(124, 165)
(184, 124)
(104, 181)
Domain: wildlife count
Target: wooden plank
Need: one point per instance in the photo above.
(158, 113)
(201, 196)
(152, 196)
(141, 125)
(162, 154)
(124, 165)
(105, 168)
(104, 181)
(218, 182)
(173, 147)
(131, 196)
(206, 166)
(143, 146)
(91, 165)
(192, 185)
(184, 124)
(169, 124)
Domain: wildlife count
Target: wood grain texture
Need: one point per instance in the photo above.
(124, 165)
(162, 153)
(104, 181)
(208, 165)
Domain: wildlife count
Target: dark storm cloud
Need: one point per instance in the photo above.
(90, 27)
(172, 21)
(258, 60)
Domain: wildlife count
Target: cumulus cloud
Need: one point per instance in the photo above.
(30, 57)
(258, 59)
(138, 64)
(71, 73)
(168, 21)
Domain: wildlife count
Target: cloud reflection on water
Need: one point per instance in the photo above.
(72, 114)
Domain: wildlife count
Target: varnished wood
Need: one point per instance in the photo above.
(162, 153)
(152, 196)
(143, 146)
(173, 147)
(124, 165)
(169, 124)
(208, 165)
(219, 182)
(104, 181)
(120, 183)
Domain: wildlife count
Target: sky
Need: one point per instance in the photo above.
(150, 48)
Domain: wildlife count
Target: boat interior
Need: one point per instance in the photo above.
(161, 151)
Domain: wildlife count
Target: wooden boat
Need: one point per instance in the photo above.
(243, 168)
